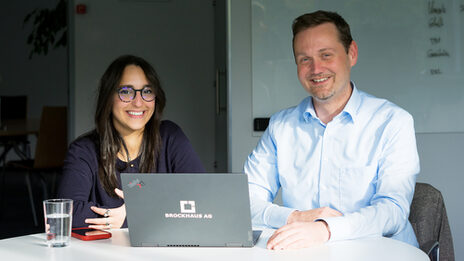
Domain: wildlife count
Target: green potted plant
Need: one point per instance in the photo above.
(49, 28)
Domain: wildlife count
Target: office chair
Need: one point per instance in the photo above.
(430, 223)
(49, 153)
(13, 108)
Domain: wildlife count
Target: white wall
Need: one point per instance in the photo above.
(440, 153)
(175, 36)
(240, 122)
(43, 78)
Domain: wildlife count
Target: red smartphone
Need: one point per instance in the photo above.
(85, 233)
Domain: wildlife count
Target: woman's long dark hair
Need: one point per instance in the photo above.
(109, 142)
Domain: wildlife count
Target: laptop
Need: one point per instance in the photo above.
(188, 210)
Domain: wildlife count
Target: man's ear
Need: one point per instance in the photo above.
(353, 53)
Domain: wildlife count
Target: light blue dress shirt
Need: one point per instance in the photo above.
(363, 163)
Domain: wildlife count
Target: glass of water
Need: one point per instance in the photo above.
(58, 220)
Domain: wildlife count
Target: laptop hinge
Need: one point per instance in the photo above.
(149, 244)
(234, 244)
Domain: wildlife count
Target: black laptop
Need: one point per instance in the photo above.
(188, 210)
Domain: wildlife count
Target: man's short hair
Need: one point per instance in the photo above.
(310, 20)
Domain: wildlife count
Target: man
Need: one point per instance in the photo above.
(346, 162)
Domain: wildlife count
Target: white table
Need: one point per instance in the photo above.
(32, 247)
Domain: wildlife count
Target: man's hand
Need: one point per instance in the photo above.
(301, 230)
(299, 235)
(113, 217)
(313, 214)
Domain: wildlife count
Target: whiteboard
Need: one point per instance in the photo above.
(410, 52)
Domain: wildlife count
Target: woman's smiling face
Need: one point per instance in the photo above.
(131, 117)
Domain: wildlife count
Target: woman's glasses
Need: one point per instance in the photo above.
(127, 93)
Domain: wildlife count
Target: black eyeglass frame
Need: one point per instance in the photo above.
(135, 93)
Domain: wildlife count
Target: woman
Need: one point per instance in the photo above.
(129, 137)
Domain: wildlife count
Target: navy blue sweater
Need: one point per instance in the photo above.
(80, 180)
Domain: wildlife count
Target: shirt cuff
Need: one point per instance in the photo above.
(339, 228)
(277, 216)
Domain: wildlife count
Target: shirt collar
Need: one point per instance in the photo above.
(308, 109)
(351, 107)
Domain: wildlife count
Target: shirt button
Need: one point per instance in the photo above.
(131, 165)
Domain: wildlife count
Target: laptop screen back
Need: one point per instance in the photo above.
(188, 209)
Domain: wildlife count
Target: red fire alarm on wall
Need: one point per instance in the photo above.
(81, 9)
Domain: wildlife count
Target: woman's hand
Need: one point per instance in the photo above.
(112, 217)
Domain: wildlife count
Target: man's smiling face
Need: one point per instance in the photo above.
(322, 62)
